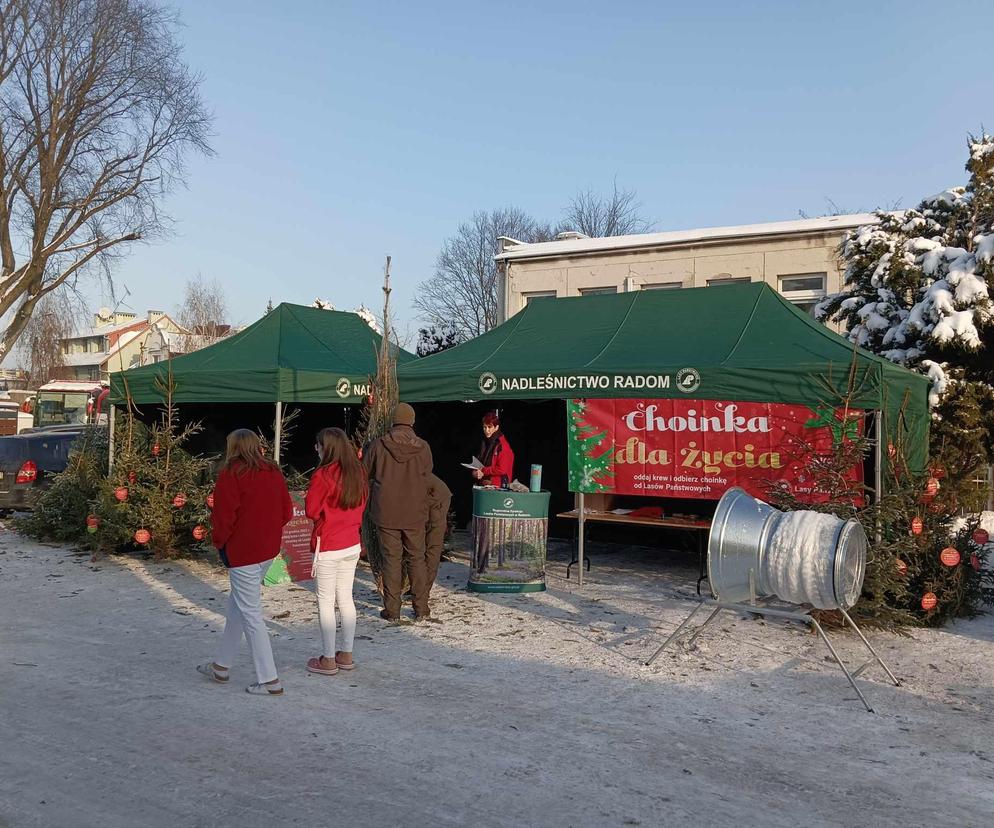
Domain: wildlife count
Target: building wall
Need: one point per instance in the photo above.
(769, 259)
(134, 353)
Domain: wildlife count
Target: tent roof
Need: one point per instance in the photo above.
(292, 354)
(734, 342)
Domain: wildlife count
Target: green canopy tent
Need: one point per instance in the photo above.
(736, 342)
(294, 354)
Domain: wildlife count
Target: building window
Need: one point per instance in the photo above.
(593, 291)
(662, 285)
(539, 294)
(805, 290)
(727, 280)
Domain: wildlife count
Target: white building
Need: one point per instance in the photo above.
(798, 258)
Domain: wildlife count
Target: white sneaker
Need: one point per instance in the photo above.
(265, 689)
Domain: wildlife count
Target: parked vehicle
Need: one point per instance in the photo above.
(71, 402)
(28, 462)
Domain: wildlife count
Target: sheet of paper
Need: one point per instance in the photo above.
(622, 511)
(475, 464)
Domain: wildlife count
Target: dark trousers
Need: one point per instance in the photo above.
(434, 541)
(404, 548)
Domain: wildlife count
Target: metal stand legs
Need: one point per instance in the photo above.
(793, 615)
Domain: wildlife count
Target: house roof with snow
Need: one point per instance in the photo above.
(588, 246)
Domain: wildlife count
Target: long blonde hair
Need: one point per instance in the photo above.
(244, 452)
(334, 445)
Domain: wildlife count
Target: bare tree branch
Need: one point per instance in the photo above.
(595, 215)
(40, 346)
(203, 313)
(97, 114)
(462, 293)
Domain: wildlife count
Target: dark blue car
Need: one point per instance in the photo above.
(29, 460)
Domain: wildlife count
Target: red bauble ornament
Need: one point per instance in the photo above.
(950, 556)
(935, 507)
(179, 501)
(132, 477)
(156, 450)
(917, 525)
(929, 601)
(92, 520)
(932, 487)
(937, 472)
(981, 537)
(199, 532)
(210, 500)
(902, 568)
(143, 536)
(975, 562)
(121, 493)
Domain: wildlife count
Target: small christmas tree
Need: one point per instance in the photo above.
(157, 493)
(61, 512)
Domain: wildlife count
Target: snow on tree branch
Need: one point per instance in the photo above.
(918, 284)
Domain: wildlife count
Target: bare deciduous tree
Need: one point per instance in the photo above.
(462, 293)
(97, 112)
(40, 345)
(203, 313)
(596, 215)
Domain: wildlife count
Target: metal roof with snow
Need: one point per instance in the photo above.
(586, 246)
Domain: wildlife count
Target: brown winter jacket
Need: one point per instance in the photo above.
(439, 498)
(398, 464)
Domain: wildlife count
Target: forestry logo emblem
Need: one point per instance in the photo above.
(343, 387)
(488, 383)
(688, 380)
(508, 502)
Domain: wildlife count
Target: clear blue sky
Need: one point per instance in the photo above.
(347, 131)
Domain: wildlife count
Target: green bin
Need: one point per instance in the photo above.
(510, 531)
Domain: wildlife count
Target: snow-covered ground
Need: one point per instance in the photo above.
(514, 711)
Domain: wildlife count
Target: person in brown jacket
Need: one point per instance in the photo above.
(439, 498)
(399, 464)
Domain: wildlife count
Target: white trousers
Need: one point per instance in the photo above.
(244, 615)
(333, 580)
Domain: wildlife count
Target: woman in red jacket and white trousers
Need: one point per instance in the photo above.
(251, 506)
(336, 499)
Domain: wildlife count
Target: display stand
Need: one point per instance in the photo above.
(510, 531)
(759, 608)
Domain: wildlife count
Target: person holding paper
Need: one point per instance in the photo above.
(496, 457)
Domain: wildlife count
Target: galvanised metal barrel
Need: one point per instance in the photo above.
(802, 557)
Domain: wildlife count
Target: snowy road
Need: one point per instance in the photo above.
(513, 712)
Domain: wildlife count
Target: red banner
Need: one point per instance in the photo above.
(701, 448)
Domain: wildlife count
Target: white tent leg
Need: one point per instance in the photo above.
(277, 443)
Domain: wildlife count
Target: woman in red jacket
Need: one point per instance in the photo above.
(251, 506)
(335, 502)
(495, 454)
